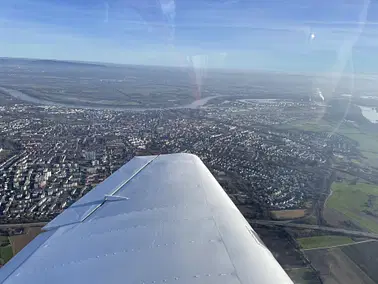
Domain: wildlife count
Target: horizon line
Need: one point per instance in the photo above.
(233, 70)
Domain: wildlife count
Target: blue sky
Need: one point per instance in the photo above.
(282, 35)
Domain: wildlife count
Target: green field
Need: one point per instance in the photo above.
(371, 158)
(4, 239)
(4, 154)
(311, 125)
(302, 275)
(368, 142)
(323, 241)
(326, 126)
(357, 202)
(6, 252)
(368, 145)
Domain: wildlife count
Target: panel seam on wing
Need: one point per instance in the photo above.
(121, 252)
(118, 188)
(216, 226)
(49, 227)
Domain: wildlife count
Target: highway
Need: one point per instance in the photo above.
(316, 227)
(23, 225)
(342, 245)
(252, 222)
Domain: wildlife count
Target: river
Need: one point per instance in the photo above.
(24, 97)
(369, 113)
(259, 101)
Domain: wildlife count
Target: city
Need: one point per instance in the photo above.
(278, 159)
(66, 152)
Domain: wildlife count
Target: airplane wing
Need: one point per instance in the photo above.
(158, 219)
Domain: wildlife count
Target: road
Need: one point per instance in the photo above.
(259, 222)
(23, 225)
(342, 245)
(316, 227)
(328, 197)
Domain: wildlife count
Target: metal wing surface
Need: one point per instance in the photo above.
(158, 219)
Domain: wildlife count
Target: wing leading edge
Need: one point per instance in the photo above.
(158, 219)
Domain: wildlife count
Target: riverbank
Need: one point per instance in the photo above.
(30, 99)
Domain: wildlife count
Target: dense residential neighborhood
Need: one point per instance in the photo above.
(59, 154)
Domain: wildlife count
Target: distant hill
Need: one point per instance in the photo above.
(48, 62)
(65, 63)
